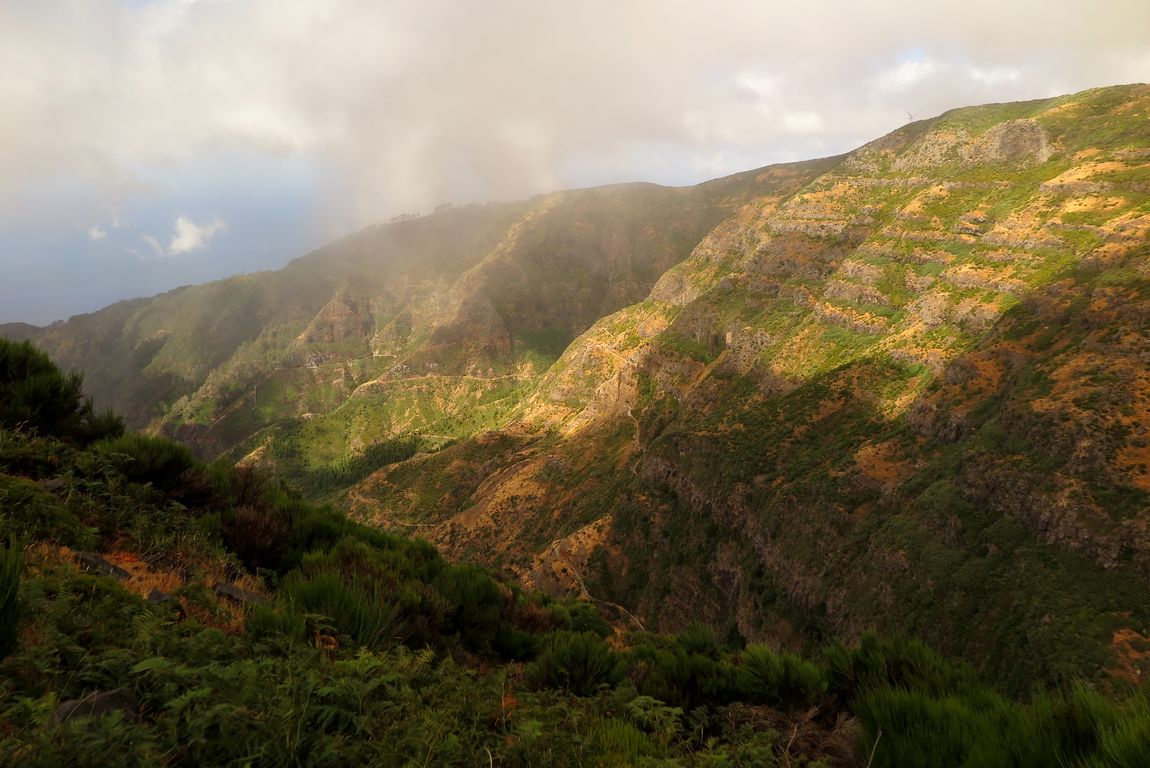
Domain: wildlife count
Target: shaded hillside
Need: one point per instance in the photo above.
(412, 321)
(912, 395)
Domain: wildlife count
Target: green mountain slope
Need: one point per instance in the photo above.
(912, 395)
(411, 321)
(904, 388)
(155, 611)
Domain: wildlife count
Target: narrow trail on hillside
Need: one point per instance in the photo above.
(555, 550)
(378, 383)
(328, 364)
(497, 478)
(620, 357)
(357, 498)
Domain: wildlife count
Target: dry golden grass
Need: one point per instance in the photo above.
(882, 464)
(1131, 656)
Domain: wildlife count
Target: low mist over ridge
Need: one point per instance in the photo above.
(154, 143)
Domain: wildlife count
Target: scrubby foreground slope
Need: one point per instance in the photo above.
(222, 621)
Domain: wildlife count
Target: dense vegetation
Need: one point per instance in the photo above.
(227, 622)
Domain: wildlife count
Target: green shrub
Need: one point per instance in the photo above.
(97, 742)
(265, 526)
(31, 456)
(585, 618)
(577, 616)
(1126, 742)
(685, 679)
(617, 742)
(918, 729)
(357, 608)
(893, 662)
(663, 723)
(698, 638)
(266, 622)
(764, 677)
(97, 426)
(29, 512)
(512, 643)
(314, 529)
(258, 535)
(148, 459)
(473, 604)
(759, 672)
(576, 662)
(36, 396)
(969, 724)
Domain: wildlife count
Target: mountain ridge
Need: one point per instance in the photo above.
(980, 296)
(868, 390)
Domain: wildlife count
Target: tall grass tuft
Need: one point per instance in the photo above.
(29, 512)
(11, 566)
(578, 663)
(764, 677)
(356, 607)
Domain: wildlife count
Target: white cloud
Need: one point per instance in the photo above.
(154, 244)
(96, 233)
(906, 74)
(996, 75)
(190, 236)
(761, 84)
(802, 122)
(408, 103)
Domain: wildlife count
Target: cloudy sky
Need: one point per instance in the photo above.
(146, 144)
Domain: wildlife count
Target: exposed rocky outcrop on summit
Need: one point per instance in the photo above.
(1023, 141)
